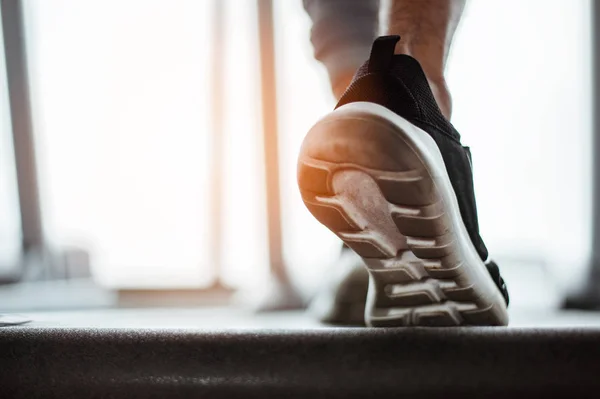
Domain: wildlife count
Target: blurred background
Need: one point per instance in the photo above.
(142, 131)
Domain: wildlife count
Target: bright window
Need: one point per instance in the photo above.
(122, 107)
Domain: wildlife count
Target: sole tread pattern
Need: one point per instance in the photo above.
(380, 184)
(414, 270)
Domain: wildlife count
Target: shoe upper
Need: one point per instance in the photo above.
(398, 83)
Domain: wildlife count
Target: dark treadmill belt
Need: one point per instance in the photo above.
(320, 363)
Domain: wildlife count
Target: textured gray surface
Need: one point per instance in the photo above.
(231, 353)
(323, 362)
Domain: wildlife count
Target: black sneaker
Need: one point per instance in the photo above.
(387, 173)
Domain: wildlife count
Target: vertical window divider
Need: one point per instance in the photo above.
(33, 240)
(284, 295)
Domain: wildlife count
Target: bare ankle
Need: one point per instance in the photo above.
(442, 95)
(341, 83)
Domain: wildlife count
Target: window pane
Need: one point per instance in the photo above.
(245, 252)
(522, 101)
(121, 108)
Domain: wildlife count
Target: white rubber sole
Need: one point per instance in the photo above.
(381, 185)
